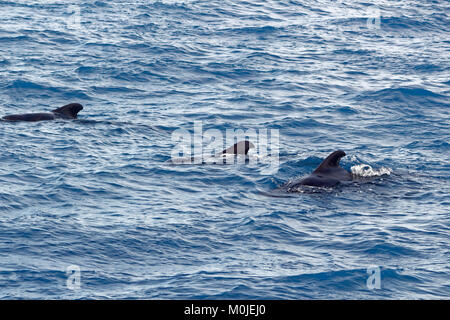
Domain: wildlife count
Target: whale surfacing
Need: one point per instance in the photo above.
(327, 174)
(69, 111)
(240, 148)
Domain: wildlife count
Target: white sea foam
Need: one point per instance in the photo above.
(365, 170)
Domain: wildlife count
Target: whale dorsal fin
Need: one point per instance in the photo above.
(332, 161)
(241, 147)
(69, 110)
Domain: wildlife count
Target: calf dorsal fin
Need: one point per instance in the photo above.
(241, 147)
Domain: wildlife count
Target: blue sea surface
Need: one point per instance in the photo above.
(91, 209)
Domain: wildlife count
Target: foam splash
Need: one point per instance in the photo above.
(365, 170)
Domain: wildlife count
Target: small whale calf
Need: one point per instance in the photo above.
(240, 148)
(327, 174)
(69, 111)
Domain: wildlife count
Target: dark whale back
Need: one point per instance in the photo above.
(30, 117)
(327, 174)
(69, 110)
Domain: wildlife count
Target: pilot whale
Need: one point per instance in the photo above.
(327, 174)
(69, 111)
(241, 148)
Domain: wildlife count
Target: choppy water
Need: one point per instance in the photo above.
(96, 193)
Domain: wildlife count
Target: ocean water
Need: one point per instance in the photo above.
(91, 209)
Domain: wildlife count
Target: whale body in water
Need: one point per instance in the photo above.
(69, 111)
(240, 148)
(327, 174)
